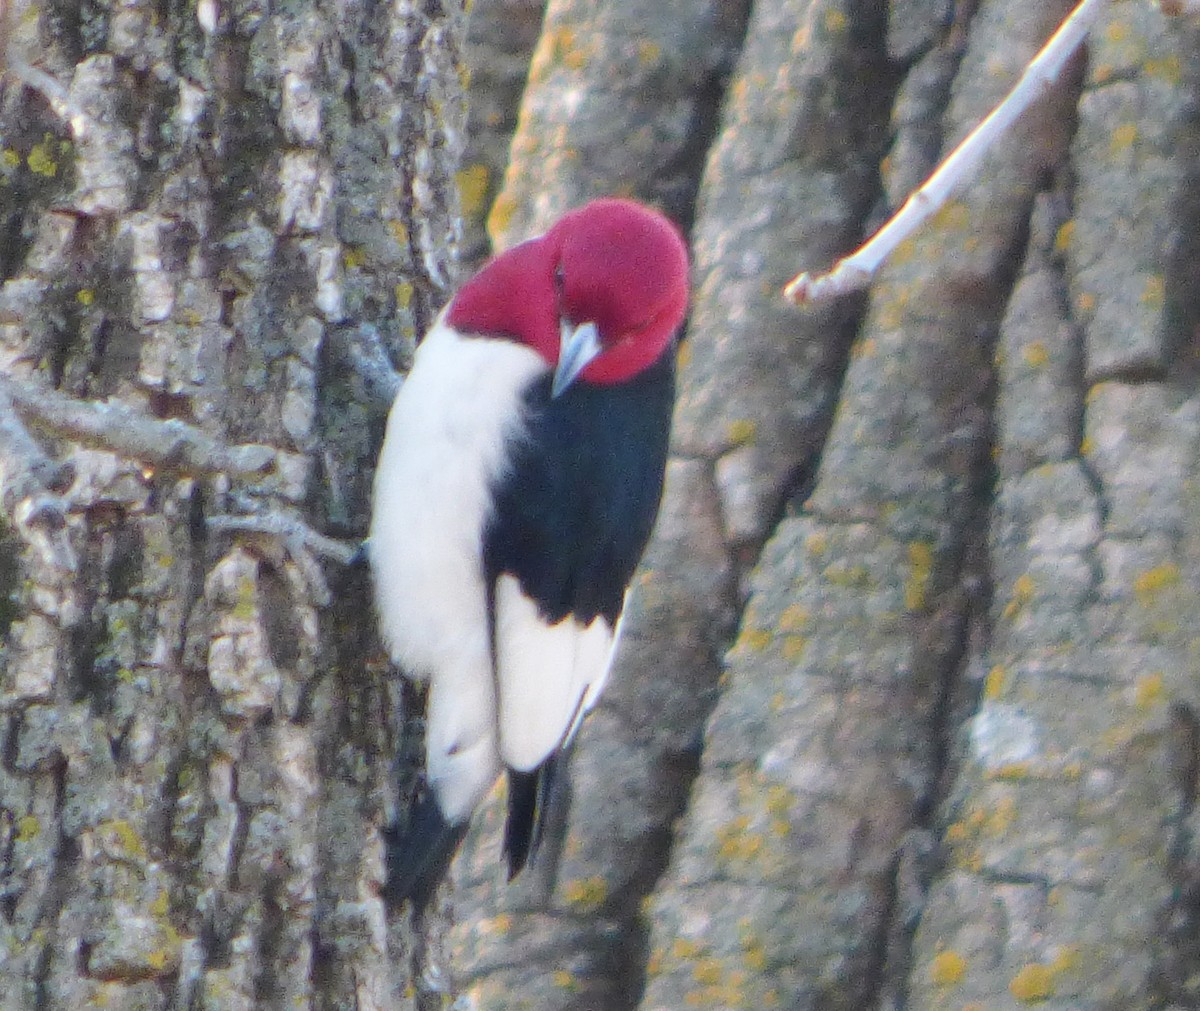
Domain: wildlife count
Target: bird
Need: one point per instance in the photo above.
(518, 482)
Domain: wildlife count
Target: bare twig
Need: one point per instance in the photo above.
(857, 270)
(285, 536)
(289, 529)
(172, 445)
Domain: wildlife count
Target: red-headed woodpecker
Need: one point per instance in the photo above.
(517, 485)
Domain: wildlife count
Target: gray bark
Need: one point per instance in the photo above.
(952, 759)
(198, 727)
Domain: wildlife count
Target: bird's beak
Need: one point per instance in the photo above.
(580, 344)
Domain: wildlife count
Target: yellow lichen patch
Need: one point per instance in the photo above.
(564, 980)
(28, 828)
(953, 217)
(707, 970)
(1086, 302)
(1117, 31)
(1068, 959)
(1011, 772)
(1032, 984)
(755, 957)
(562, 47)
(649, 52)
(1064, 235)
(586, 894)
(735, 841)
(122, 837)
(957, 832)
(816, 544)
(741, 431)
(353, 257)
(655, 962)
(500, 924)
(1152, 582)
(916, 590)
(993, 684)
(1086, 445)
(1022, 594)
(1035, 354)
(404, 294)
(779, 799)
(399, 232)
(41, 162)
(794, 617)
(794, 647)
(754, 639)
(1154, 292)
(501, 215)
(9, 158)
(947, 969)
(1122, 138)
(835, 21)
(472, 183)
(685, 947)
(1166, 69)
(1149, 691)
(1004, 813)
(161, 904)
(848, 576)
(85, 296)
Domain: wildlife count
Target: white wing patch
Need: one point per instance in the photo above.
(548, 676)
(447, 440)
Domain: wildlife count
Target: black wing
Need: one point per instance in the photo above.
(572, 517)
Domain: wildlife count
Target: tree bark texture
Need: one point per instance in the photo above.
(906, 710)
(196, 724)
(905, 713)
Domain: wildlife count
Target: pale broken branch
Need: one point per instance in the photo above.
(13, 63)
(30, 476)
(303, 545)
(173, 444)
(856, 271)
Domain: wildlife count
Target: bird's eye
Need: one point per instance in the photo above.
(560, 277)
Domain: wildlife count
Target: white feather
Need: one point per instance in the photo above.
(446, 442)
(549, 676)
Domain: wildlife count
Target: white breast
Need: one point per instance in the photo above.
(446, 442)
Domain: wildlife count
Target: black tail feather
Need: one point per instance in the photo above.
(528, 804)
(419, 852)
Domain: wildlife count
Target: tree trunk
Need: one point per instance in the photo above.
(198, 727)
(949, 531)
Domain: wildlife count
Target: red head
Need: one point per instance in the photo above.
(600, 295)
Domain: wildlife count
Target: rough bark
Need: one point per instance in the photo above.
(952, 760)
(197, 727)
(906, 712)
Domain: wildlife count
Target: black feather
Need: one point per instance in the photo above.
(572, 516)
(419, 852)
(528, 802)
(576, 506)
